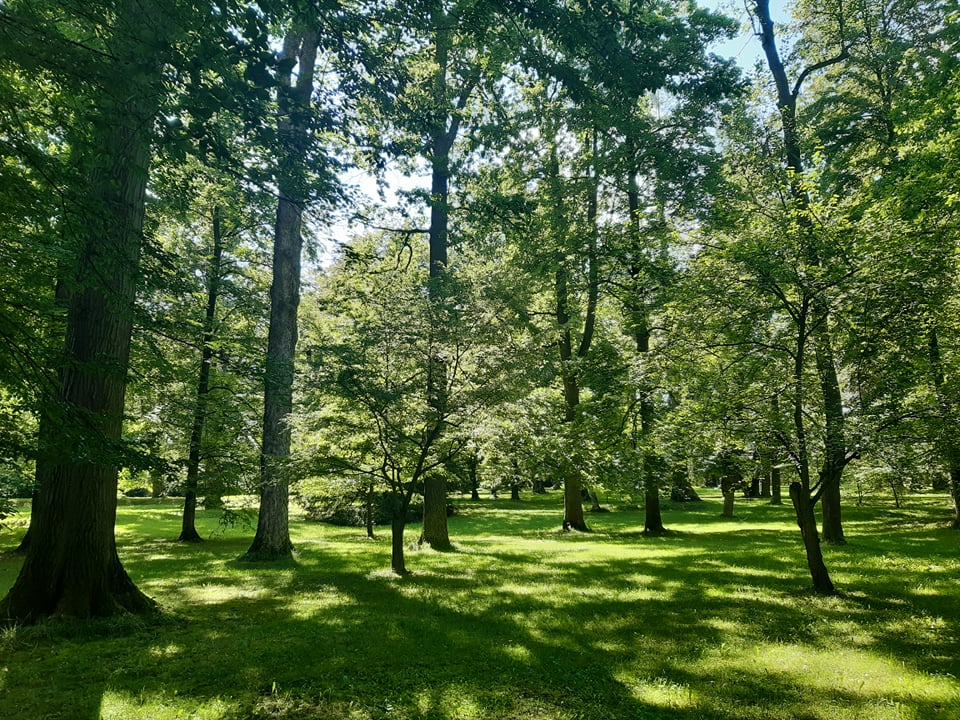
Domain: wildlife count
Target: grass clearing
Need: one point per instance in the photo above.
(711, 621)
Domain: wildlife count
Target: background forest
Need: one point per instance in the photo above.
(372, 253)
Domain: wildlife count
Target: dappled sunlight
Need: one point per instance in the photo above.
(159, 706)
(837, 676)
(534, 625)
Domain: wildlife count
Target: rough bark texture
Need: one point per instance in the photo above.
(72, 567)
(188, 528)
(272, 540)
(434, 532)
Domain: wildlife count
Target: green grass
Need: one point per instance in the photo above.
(713, 620)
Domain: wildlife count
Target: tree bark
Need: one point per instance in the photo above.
(272, 540)
(188, 529)
(434, 533)
(807, 521)
(71, 567)
(397, 561)
(949, 442)
(640, 324)
(834, 456)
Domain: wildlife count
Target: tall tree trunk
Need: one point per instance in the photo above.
(397, 562)
(444, 133)
(776, 486)
(949, 440)
(834, 456)
(188, 529)
(573, 516)
(766, 467)
(71, 566)
(272, 540)
(640, 324)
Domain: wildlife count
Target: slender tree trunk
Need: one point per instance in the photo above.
(640, 323)
(472, 472)
(573, 516)
(272, 540)
(835, 457)
(807, 521)
(188, 530)
(71, 566)
(776, 491)
(766, 467)
(399, 522)
(835, 450)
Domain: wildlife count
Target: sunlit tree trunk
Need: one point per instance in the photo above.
(272, 540)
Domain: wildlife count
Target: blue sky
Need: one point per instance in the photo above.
(745, 48)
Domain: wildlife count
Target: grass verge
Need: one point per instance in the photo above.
(711, 621)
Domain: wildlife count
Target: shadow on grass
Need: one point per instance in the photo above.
(702, 623)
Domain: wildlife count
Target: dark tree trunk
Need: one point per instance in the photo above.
(640, 325)
(729, 496)
(835, 450)
(573, 516)
(72, 567)
(272, 541)
(835, 457)
(434, 531)
(444, 132)
(399, 522)
(765, 469)
(807, 521)
(949, 442)
(188, 530)
(776, 490)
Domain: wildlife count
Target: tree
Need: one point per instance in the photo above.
(72, 567)
(272, 540)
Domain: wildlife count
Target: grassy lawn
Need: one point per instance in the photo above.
(712, 620)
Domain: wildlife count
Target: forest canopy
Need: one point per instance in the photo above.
(598, 258)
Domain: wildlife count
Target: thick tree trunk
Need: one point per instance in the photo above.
(72, 567)
(434, 531)
(766, 467)
(807, 521)
(729, 496)
(272, 540)
(188, 529)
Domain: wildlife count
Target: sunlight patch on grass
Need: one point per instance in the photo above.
(659, 692)
(847, 682)
(159, 706)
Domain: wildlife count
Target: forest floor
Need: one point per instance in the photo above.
(713, 620)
